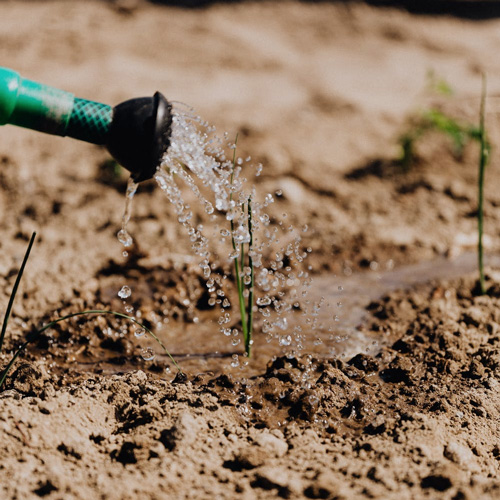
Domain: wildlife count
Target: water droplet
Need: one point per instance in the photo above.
(265, 219)
(125, 292)
(209, 208)
(241, 235)
(129, 309)
(285, 340)
(140, 332)
(235, 361)
(263, 301)
(124, 238)
(147, 354)
(266, 312)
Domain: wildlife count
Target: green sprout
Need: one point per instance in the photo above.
(242, 284)
(34, 335)
(484, 153)
(430, 120)
(460, 134)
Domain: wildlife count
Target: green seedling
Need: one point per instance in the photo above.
(484, 153)
(460, 134)
(434, 120)
(430, 120)
(244, 282)
(34, 335)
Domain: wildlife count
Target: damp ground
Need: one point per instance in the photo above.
(399, 400)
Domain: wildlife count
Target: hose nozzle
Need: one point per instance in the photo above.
(139, 134)
(135, 132)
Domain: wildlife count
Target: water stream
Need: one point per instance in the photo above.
(237, 243)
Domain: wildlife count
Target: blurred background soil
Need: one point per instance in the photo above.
(319, 93)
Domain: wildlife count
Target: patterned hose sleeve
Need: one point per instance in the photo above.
(89, 121)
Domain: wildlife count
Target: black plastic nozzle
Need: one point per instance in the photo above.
(139, 134)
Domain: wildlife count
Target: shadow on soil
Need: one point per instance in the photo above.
(469, 9)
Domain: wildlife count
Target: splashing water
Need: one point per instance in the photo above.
(197, 159)
(191, 149)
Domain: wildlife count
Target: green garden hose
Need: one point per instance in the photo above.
(136, 132)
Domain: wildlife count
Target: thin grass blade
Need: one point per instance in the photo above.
(483, 160)
(248, 345)
(14, 290)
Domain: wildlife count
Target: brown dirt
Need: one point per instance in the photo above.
(319, 93)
